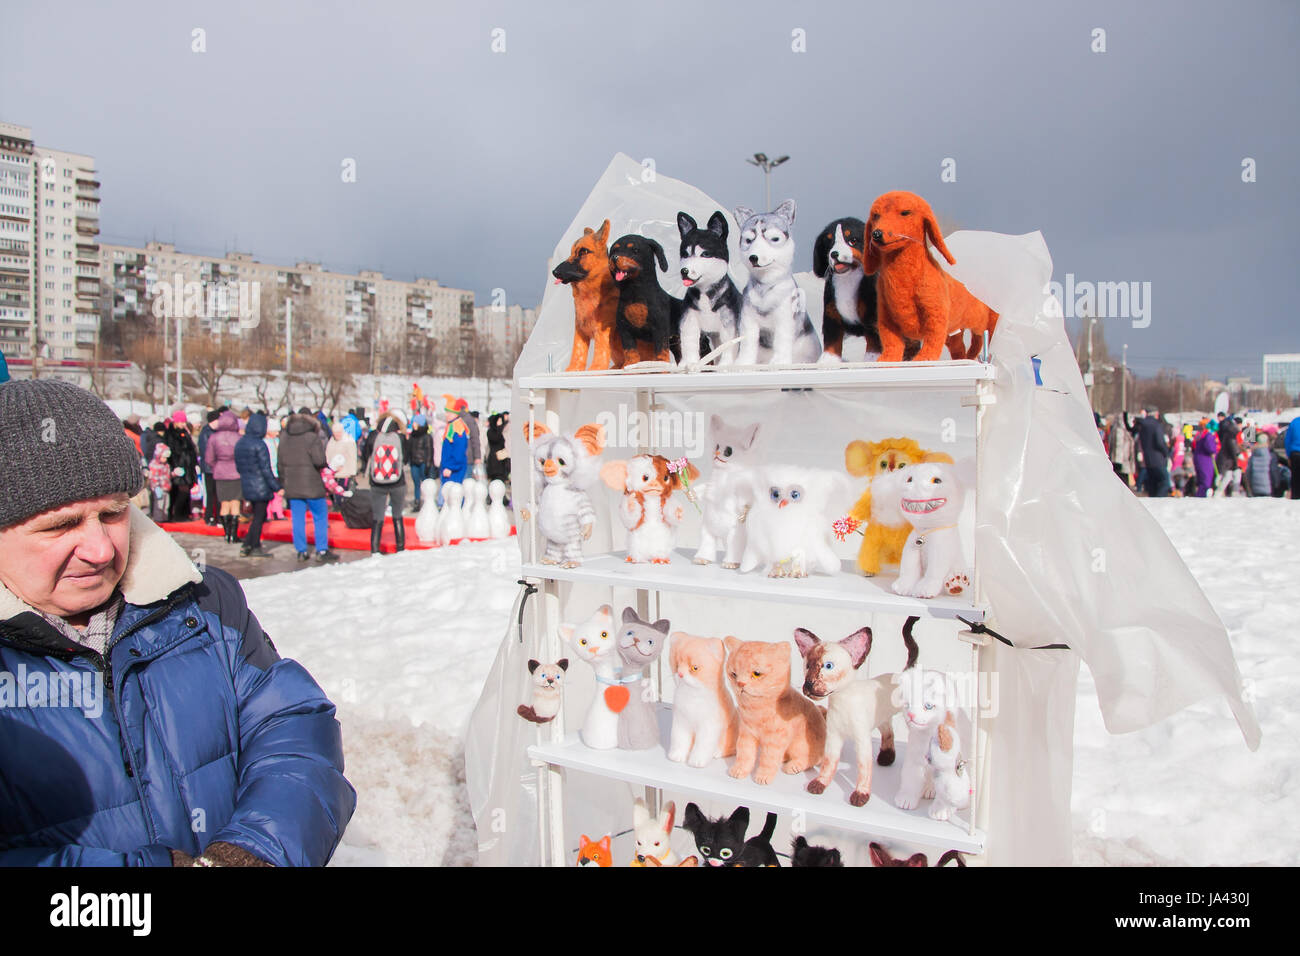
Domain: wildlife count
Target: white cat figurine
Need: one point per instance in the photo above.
(727, 495)
(952, 781)
(594, 641)
(926, 697)
(932, 497)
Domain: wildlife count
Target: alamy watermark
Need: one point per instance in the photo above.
(22, 688)
(629, 428)
(229, 300)
(1099, 300)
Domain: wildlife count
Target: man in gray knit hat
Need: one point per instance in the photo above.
(145, 716)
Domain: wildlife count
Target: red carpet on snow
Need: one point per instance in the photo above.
(341, 536)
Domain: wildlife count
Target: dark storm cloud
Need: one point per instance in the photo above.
(470, 163)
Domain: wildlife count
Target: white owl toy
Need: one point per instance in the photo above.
(790, 523)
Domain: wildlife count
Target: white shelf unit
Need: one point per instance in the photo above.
(556, 750)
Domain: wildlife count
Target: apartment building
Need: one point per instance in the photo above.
(66, 255)
(16, 161)
(508, 327)
(365, 312)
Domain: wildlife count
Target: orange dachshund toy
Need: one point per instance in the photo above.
(916, 298)
(595, 302)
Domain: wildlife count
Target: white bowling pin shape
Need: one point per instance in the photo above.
(478, 526)
(498, 516)
(453, 523)
(426, 522)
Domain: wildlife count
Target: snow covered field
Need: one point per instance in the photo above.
(402, 643)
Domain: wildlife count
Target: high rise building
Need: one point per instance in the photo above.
(66, 259)
(16, 153)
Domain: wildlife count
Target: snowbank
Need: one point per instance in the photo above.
(403, 642)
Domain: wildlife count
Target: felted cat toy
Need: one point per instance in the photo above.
(790, 524)
(926, 697)
(882, 857)
(728, 494)
(856, 707)
(802, 853)
(885, 531)
(705, 722)
(547, 679)
(567, 466)
(639, 645)
(722, 842)
(780, 729)
(593, 641)
(653, 835)
(932, 497)
(647, 510)
(948, 771)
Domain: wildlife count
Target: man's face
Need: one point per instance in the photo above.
(67, 561)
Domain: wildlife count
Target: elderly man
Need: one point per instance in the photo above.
(145, 717)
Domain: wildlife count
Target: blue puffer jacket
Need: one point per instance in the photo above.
(206, 734)
(253, 459)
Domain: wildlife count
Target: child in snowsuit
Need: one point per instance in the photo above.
(160, 482)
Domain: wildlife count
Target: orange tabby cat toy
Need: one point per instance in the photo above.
(779, 727)
(591, 853)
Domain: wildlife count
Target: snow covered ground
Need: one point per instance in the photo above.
(403, 642)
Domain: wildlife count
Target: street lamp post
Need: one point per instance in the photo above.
(766, 165)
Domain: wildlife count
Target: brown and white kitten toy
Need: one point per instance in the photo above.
(547, 679)
(704, 718)
(952, 782)
(926, 697)
(856, 707)
(653, 835)
(779, 727)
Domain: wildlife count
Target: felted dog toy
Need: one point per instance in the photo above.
(932, 497)
(916, 298)
(646, 313)
(774, 322)
(595, 302)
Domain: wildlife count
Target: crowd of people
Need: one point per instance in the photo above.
(1218, 456)
(250, 465)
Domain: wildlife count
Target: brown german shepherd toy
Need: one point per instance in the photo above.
(595, 302)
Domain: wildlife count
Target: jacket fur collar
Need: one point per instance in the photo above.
(155, 567)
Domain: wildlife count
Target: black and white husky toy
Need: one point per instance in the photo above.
(773, 319)
(711, 307)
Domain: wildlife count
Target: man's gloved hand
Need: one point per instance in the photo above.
(218, 854)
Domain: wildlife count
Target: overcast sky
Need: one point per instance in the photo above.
(470, 163)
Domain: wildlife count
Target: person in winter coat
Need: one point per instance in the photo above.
(301, 457)
(1229, 451)
(210, 498)
(1258, 479)
(257, 480)
(1120, 444)
(498, 453)
(1291, 445)
(1150, 435)
(341, 456)
(160, 482)
(386, 452)
(148, 439)
(185, 457)
(421, 445)
(220, 459)
(176, 709)
(460, 442)
(131, 425)
(1204, 450)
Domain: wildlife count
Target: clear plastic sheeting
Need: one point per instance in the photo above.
(1066, 555)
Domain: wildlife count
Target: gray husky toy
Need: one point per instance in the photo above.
(773, 321)
(639, 644)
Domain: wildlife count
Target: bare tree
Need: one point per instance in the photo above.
(330, 376)
(211, 358)
(146, 351)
